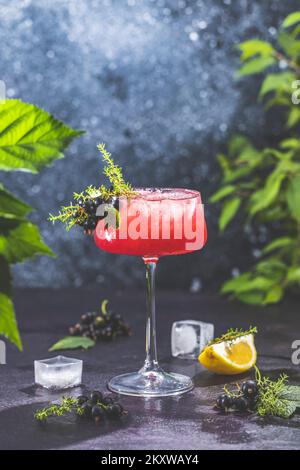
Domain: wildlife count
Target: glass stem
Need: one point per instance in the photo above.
(151, 363)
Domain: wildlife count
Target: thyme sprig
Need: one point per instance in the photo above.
(74, 213)
(270, 400)
(67, 405)
(232, 334)
(115, 174)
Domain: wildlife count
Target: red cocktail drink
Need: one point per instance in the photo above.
(155, 223)
(151, 224)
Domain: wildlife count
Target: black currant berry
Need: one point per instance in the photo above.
(86, 409)
(115, 202)
(85, 318)
(80, 223)
(107, 400)
(97, 412)
(116, 318)
(82, 399)
(98, 201)
(96, 396)
(87, 225)
(250, 388)
(99, 321)
(252, 402)
(241, 403)
(114, 411)
(89, 207)
(224, 402)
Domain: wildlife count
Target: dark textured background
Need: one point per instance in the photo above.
(154, 80)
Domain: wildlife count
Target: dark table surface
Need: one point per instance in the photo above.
(184, 422)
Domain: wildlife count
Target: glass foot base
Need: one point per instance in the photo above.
(150, 384)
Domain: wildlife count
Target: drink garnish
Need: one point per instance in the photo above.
(232, 334)
(82, 210)
(232, 353)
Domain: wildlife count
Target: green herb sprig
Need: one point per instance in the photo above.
(272, 400)
(67, 405)
(232, 334)
(115, 175)
(74, 213)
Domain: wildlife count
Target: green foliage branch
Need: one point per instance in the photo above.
(263, 185)
(30, 139)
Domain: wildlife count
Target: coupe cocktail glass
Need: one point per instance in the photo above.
(154, 223)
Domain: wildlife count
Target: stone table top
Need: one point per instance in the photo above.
(183, 422)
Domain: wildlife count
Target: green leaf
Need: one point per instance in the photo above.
(293, 117)
(274, 295)
(267, 195)
(289, 44)
(229, 210)
(293, 274)
(8, 324)
(244, 283)
(221, 193)
(73, 342)
(284, 157)
(251, 298)
(287, 410)
(291, 19)
(10, 205)
(278, 243)
(257, 283)
(240, 172)
(236, 283)
(272, 268)
(5, 278)
(272, 213)
(293, 197)
(256, 65)
(237, 144)
(254, 47)
(250, 156)
(277, 82)
(278, 100)
(291, 392)
(224, 164)
(30, 138)
(22, 242)
(291, 143)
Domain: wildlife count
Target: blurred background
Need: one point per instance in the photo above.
(154, 79)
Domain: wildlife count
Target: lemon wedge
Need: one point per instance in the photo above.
(230, 357)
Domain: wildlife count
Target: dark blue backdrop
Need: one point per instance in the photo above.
(154, 80)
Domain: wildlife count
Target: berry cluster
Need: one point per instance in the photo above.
(98, 407)
(100, 326)
(86, 215)
(245, 400)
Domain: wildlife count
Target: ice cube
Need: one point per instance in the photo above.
(189, 337)
(58, 372)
